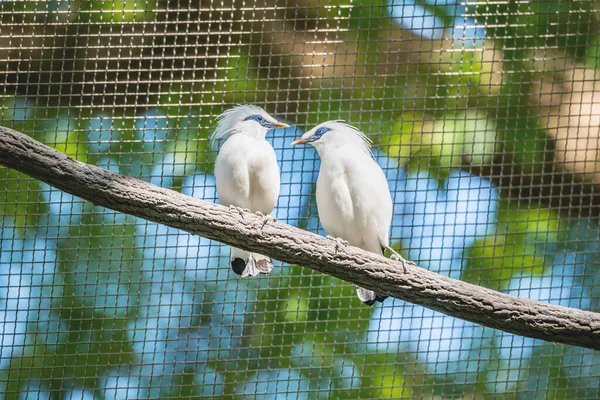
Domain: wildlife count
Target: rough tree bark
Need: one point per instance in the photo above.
(295, 246)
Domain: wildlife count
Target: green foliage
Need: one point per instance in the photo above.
(526, 145)
(444, 145)
(64, 134)
(593, 53)
(85, 333)
(89, 345)
(239, 80)
(120, 11)
(520, 26)
(21, 198)
(461, 109)
(517, 248)
(32, 11)
(368, 18)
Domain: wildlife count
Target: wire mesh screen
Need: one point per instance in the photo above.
(485, 119)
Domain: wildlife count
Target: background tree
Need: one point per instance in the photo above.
(484, 118)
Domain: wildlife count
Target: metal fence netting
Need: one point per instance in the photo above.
(485, 117)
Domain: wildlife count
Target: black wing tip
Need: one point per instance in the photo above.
(238, 266)
(378, 299)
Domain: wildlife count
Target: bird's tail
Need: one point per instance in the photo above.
(246, 264)
(369, 297)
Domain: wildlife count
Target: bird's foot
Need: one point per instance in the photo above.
(239, 210)
(397, 257)
(267, 218)
(339, 242)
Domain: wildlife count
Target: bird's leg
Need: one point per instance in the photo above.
(339, 242)
(397, 257)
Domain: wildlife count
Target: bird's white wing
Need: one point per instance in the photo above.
(354, 204)
(354, 200)
(247, 174)
(335, 206)
(231, 174)
(374, 201)
(264, 179)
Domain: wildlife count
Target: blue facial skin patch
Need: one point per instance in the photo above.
(261, 120)
(318, 134)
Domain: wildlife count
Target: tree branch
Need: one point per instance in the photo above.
(295, 246)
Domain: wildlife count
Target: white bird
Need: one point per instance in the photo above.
(246, 173)
(353, 196)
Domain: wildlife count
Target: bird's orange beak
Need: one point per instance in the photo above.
(299, 141)
(281, 125)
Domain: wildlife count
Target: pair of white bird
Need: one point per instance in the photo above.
(353, 197)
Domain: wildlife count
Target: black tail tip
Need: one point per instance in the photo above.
(378, 298)
(238, 266)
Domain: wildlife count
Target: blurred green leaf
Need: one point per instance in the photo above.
(338, 9)
(386, 378)
(119, 11)
(64, 134)
(18, 113)
(492, 262)
(445, 11)
(439, 114)
(93, 336)
(405, 137)
(592, 59)
(238, 79)
(445, 144)
(31, 11)
(525, 144)
(90, 341)
(516, 248)
(524, 25)
(534, 224)
(21, 199)
(368, 17)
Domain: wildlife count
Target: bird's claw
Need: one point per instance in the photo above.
(240, 210)
(267, 218)
(339, 242)
(398, 257)
(337, 239)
